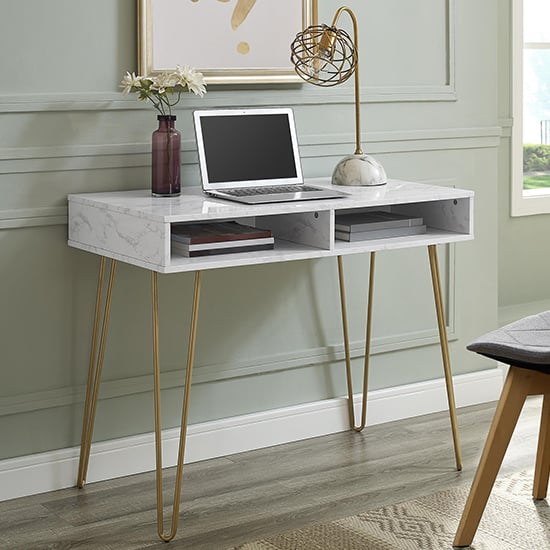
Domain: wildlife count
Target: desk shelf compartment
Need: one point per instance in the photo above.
(283, 251)
(447, 220)
(297, 236)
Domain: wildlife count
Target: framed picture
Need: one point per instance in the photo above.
(229, 41)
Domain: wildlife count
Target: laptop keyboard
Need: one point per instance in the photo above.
(269, 190)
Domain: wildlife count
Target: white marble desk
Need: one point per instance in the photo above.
(134, 227)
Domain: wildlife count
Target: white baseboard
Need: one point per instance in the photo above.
(54, 470)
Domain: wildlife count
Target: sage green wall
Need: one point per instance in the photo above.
(269, 336)
(524, 261)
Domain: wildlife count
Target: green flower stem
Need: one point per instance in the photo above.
(161, 102)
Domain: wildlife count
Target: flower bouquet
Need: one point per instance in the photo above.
(164, 92)
(164, 89)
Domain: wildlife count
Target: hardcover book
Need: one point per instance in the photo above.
(374, 220)
(215, 232)
(355, 236)
(237, 246)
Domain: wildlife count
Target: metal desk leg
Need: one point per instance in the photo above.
(432, 251)
(442, 339)
(351, 411)
(95, 367)
(185, 408)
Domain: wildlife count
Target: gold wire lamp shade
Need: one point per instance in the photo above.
(328, 56)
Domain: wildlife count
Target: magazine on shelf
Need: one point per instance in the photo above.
(230, 247)
(374, 220)
(355, 236)
(216, 232)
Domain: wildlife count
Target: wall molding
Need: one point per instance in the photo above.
(55, 470)
(326, 138)
(64, 158)
(69, 396)
(33, 217)
(61, 158)
(290, 94)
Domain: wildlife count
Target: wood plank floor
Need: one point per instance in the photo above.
(243, 497)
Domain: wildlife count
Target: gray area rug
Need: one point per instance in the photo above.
(512, 521)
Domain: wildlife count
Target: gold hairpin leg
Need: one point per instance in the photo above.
(432, 252)
(184, 413)
(351, 412)
(95, 367)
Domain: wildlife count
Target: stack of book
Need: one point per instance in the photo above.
(376, 224)
(205, 239)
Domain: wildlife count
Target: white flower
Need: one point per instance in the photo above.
(193, 79)
(129, 82)
(164, 81)
(158, 89)
(183, 73)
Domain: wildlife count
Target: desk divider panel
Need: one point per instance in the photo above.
(309, 228)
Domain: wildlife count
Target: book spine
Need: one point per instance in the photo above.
(223, 244)
(217, 238)
(373, 226)
(216, 251)
(380, 233)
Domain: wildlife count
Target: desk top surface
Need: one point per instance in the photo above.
(135, 227)
(194, 205)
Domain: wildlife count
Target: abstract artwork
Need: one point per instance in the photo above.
(229, 41)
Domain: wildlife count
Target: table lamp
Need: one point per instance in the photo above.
(327, 56)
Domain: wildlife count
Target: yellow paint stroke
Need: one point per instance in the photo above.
(241, 11)
(243, 48)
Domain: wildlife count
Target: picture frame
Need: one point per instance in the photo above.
(229, 41)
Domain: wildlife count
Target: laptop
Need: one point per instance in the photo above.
(251, 156)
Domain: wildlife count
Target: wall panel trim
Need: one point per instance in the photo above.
(123, 155)
(38, 160)
(289, 95)
(170, 379)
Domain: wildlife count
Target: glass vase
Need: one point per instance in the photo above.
(166, 158)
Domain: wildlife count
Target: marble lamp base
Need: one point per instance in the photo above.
(359, 170)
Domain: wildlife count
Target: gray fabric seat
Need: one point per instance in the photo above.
(524, 343)
(525, 346)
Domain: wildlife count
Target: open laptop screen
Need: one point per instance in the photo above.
(247, 148)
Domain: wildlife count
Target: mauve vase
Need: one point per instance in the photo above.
(166, 158)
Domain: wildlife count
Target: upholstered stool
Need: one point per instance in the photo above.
(525, 346)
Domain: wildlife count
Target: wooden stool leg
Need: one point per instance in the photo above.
(542, 467)
(514, 393)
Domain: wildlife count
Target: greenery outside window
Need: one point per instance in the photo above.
(531, 107)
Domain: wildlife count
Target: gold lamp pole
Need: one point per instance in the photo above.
(327, 56)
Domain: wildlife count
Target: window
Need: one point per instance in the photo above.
(531, 107)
